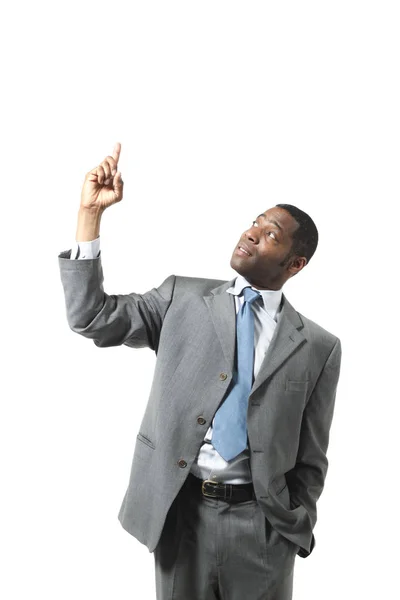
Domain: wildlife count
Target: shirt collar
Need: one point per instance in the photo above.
(271, 298)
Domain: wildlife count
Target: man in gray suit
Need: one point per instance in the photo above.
(230, 458)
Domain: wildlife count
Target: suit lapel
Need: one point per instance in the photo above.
(223, 314)
(286, 339)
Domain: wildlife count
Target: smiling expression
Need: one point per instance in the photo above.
(263, 254)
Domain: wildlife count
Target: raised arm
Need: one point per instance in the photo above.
(109, 320)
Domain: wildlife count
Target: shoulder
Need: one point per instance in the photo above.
(324, 343)
(310, 329)
(317, 330)
(196, 285)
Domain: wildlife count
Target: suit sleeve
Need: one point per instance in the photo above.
(111, 319)
(306, 479)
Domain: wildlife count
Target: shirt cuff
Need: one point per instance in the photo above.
(86, 250)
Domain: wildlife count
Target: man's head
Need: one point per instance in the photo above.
(279, 243)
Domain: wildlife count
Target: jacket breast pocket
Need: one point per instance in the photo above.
(145, 440)
(296, 386)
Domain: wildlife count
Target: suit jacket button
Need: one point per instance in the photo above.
(223, 376)
(200, 420)
(182, 463)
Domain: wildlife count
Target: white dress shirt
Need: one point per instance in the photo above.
(208, 463)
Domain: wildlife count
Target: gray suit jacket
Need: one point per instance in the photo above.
(190, 323)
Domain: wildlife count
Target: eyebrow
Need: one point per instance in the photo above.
(271, 221)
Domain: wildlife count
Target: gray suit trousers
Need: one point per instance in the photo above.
(211, 549)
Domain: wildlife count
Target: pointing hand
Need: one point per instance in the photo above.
(103, 185)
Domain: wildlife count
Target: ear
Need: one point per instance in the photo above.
(297, 264)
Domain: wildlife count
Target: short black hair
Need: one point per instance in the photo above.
(305, 239)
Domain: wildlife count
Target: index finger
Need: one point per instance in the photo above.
(116, 152)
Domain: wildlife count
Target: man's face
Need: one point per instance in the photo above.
(263, 253)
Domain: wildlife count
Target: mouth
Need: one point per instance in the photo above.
(242, 250)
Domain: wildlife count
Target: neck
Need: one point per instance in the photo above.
(263, 286)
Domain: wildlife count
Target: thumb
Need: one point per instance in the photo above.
(118, 185)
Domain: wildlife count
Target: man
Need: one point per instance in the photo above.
(230, 458)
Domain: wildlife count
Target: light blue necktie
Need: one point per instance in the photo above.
(229, 435)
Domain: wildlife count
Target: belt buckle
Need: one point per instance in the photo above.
(214, 483)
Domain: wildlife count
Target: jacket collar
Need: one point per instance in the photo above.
(286, 339)
(271, 298)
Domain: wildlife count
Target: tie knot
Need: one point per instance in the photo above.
(250, 295)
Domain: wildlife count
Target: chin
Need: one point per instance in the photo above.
(237, 265)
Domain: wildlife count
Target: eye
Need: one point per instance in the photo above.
(270, 233)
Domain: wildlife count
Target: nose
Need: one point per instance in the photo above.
(252, 235)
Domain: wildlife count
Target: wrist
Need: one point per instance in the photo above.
(88, 227)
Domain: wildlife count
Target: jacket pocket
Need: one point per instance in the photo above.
(296, 386)
(282, 490)
(279, 485)
(145, 440)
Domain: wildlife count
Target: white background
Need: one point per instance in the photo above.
(223, 109)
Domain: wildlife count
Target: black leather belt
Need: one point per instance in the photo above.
(229, 492)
